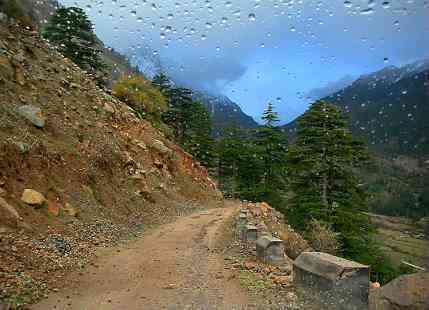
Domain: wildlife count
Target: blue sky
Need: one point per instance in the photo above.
(256, 51)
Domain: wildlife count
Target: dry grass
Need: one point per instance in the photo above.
(323, 239)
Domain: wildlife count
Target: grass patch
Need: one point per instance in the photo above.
(253, 283)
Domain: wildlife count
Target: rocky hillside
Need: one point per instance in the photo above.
(77, 169)
(39, 13)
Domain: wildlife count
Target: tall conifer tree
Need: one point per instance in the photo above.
(321, 165)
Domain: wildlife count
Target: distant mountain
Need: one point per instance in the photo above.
(330, 88)
(224, 112)
(389, 109)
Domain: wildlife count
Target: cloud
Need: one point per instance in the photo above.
(258, 51)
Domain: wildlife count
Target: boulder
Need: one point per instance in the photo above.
(69, 210)
(33, 114)
(109, 108)
(3, 19)
(407, 292)
(8, 215)
(270, 250)
(32, 197)
(332, 281)
(160, 147)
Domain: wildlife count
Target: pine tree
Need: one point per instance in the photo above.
(190, 120)
(180, 112)
(197, 135)
(321, 165)
(230, 149)
(273, 144)
(163, 83)
(71, 30)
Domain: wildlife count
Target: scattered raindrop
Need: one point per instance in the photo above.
(367, 11)
(348, 4)
(385, 4)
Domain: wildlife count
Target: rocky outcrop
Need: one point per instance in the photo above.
(32, 114)
(8, 215)
(408, 292)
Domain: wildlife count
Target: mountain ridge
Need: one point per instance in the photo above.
(224, 112)
(387, 108)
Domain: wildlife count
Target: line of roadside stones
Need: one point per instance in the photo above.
(325, 280)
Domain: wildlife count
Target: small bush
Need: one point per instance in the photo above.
(142, 96)
(322, 238)
(294, 243)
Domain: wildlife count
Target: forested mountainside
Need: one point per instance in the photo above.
(224, 112)
(330, 88)
(388, 109)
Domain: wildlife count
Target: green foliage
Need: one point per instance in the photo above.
(322, 238)
(163, 83)
(251, 163)
(396, 191)
(142, 96)
(197, 134)
(321, 165)
(273, 147)
(190, 121)
(72, 31)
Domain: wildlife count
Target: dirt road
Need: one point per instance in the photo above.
(176, 266)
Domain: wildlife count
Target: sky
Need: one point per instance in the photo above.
(260, 51)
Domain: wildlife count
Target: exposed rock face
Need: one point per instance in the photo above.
(32, 197)
(408, 292)
(33, 114)
(8, 215)
(334, 282)
(160, 147)
(70, 210)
